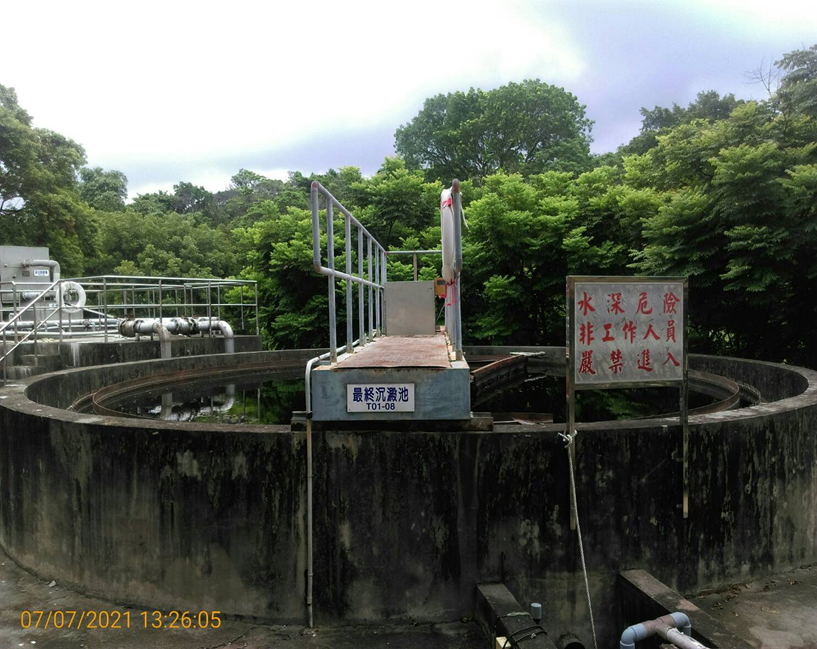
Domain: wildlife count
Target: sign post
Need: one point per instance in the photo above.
(625, 332)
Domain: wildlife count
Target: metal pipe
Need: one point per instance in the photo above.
(330, 260)
(349, 311)
(133, 328)
(457, 324)
(384, 278)
(308, 399)
(377, 331)
(371, 284)
(222, 326)
(309, 553)
(53, 265)
(361, 317)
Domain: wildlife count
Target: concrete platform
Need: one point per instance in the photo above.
(401, 351)
(435, 386)
(778, 612)
(20, 591)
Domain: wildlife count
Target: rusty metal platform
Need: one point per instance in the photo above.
(400, 351)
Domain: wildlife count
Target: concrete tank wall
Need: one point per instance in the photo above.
(406, 523)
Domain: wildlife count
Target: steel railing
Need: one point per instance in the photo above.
(113, 298)
(375, 257)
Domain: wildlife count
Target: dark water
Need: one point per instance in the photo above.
(546, 394)
(272, 398)
(266, 399)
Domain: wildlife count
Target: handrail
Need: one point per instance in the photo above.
(115, 297)
(5, 325)
(374, 282)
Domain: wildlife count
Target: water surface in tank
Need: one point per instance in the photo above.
(263, 399)
(272, 398)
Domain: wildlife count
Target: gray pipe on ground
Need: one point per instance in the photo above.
(667, 627)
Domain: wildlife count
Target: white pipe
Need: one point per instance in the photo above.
(211, 324)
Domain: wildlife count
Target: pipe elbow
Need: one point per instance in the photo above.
(226, 329)
(631, 635)
(682, 622)
(164, 334)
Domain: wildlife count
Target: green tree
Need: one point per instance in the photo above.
(40, 202)
(527, 128)
(103, 190)
(798, 87)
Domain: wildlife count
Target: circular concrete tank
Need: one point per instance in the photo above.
(208, 516)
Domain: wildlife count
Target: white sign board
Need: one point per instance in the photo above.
(627, 332)
(380, 397)
(41, 272)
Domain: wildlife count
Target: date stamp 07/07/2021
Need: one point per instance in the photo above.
(115, 619)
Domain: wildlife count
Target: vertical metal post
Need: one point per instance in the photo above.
(371, 292)
(377, 291)
(105, 305)
(160, 302)
(209, 309)
(361, 318)
(384, 278)
(242, 309)
(414, 260)
(330, 260)
(570, 392)
(349, 311)
(458, 317)
(4, 357)
(36, 327)
(16, 301)
(685, 407)
(218, 305)
(59, 307)
(457, 206)
(257, 322)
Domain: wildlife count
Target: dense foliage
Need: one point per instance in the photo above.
(722, 191)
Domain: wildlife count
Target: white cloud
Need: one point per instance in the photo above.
(171, 82)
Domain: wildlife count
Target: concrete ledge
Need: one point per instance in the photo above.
(642, 597)
(499, 614)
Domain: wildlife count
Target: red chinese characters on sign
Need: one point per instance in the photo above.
(644, 362)
(585, 305)
(670, 300)
(642, 304)
(615, 360)
(670, 357)
(586, 366)
(586, 336)
(615, 304)
(627, 331)
(651, 332)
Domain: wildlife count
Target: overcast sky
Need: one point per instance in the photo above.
(169, 91)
